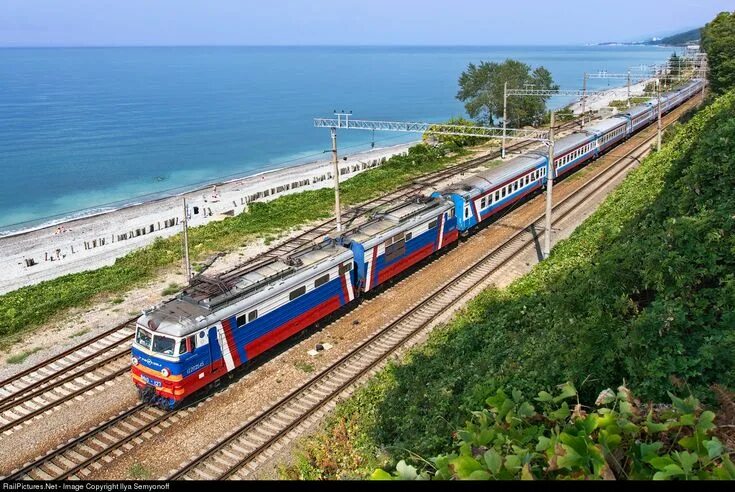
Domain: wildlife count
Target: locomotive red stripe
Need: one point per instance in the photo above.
(231, 342)
(294, 325)
(344, 288)
(450, 238)
(439, 233)
(406, 262)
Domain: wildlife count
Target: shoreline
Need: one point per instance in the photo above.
(96, 240)
(63, 218)
(99, 238)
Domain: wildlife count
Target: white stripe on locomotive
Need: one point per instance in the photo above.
(441, 230)
(350, 291)
(225, 347)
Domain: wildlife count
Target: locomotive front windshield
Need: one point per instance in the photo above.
(163, 345)
(159, 344)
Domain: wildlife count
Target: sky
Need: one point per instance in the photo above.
(345, 22)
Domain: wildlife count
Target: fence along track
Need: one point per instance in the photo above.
(237, 455)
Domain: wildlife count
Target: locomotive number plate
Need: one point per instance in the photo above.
(152, 382)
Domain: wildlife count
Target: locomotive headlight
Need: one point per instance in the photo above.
(134, 360)
(165, 372)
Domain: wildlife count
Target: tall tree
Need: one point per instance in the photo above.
(481, 89)
(718, 40)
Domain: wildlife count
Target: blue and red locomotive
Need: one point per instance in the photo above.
(216, 325)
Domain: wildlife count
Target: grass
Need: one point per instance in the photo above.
(117, 300)
(642, 292)
(139, 472)
(20, 358)
(172, 289)
(304, 366)
(29, 307)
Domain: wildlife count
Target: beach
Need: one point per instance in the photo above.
(74, 245)
(87, 243)
(596, 102)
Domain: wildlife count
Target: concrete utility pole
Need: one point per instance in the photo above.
(628, 89)
(335, 172)
(186, 242)
(505, 117)
(541, 136)
(549, 189)
(658, 94)
(584, 95)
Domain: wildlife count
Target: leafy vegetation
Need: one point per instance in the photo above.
(138, 471)
(304, 366)
(31, 306)
(481, 89)
(554, 437)
(455, 142)
(718, 40)
(172, 289)
(643, 291)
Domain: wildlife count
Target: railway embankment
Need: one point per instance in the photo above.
(642, 293)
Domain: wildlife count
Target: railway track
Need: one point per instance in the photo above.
(88, 366)
(65, 376)
(81, 456)
(240, 453)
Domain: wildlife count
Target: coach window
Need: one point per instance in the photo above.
(321, 280)
(297, 293)
(497, 195)
(409, 235)
(467, 212)
(252, 315)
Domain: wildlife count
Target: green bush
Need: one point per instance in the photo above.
(554, 438)
(643, 291)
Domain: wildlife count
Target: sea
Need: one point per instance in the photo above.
(90, 129)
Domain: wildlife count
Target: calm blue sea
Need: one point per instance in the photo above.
(82, 128)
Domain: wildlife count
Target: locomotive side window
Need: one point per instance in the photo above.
(182, 346)
(244, 319)
(433, 224)
(345, 267)
(321, 280)
(409, 235)
(297, 293)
